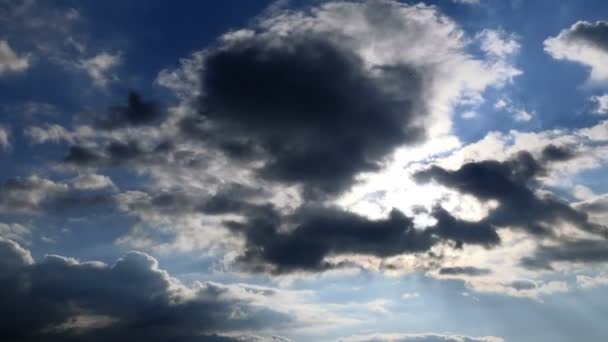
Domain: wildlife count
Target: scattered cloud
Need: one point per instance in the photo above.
(10, 61)
(584, 43)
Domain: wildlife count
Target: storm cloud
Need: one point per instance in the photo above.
(62, 299)
(512, 183)
(309, 108)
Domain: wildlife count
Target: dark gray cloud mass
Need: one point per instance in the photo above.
(310, 109)
(467, 270)
(320, 232)
(592, 33)
(130, 300)
(137, 112)
(511, 183)
(581, 251)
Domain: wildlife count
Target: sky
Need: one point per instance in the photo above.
(280, 171)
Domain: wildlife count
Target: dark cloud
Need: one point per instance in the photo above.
(321, 232)
(116, 153)
(463, 231)
(137, 112)
(511, 183)
(557, 153)
(308, 108)
(304, 239)
(592, 33)
(80, 155)
(581, 251)
(130, 300)
(467, 270)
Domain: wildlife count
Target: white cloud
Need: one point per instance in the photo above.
(522, 115)
(425, 337)
(10, 61)
(5, 135)
(48, 133)
(14, 231)
(470, 114)
(582, 192)
(601, 104)
(92, 182)
(588, 282)
(518, 113)
(98, 67)
(498, 43)
(467, 2)
(581, 43)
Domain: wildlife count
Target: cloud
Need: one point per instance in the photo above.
(10, 61)
(62, 299)
(466, 270)
(25, 194)
(14, 231)
(601, 104)
(305, 101)
(426, 337)
(571, 251)
(137, 112)
(292, 119)
(588, 282)
(5, 138)
(509, 183)
(584, 43)
(92, 182)
(98, 67)
(519, 113)
(498, 43)
(48, 133)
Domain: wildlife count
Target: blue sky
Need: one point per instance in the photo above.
(304, 171)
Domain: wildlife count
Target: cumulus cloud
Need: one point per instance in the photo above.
(10, 61)
(584, 43)
(62, 299)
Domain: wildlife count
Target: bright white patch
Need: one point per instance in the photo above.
(469, 114)
(98, 67)
(5, 141)
(92, 182)
(582, 192)
(410, 295)
(522, 115)
(588, 282)
(48, 133)
(14, 231)
(518, 113)
(601, 104)
(10, 61)
(569, 45)
(498, 43)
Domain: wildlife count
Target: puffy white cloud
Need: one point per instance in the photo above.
(99, 67)
(92, 182)
(10, 61)
(585, 43)
(601, 104)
